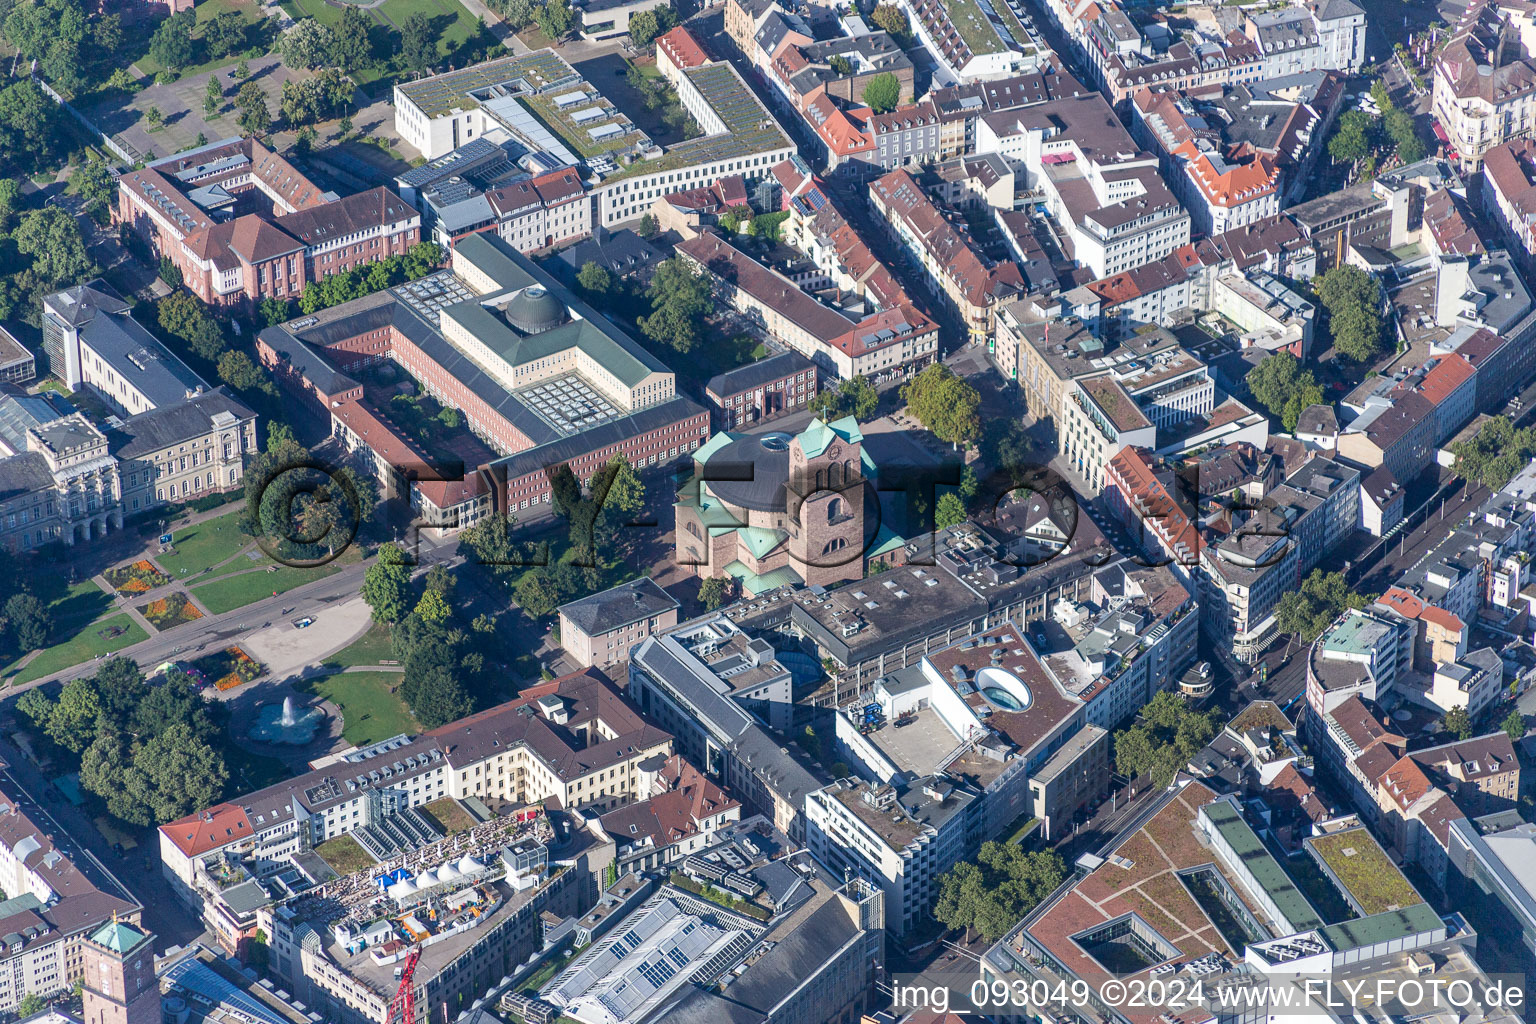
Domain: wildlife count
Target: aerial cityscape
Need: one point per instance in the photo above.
(767, 511)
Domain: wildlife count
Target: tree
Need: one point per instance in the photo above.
(714, 591)
(538, 592)
(890, 18)
(387, 585)
(679, 296)
(274, 310)
(1458, 723)
(183, 773)
(121, 687)
(883, 92)
(1351, 298)
(1312, 608)
(594, 280)
(437, 698)
(154, 117)
(1514, 726)
(945, 404)
(518, 14)
(1284, 388)
(28, 620)
(308, 44)
(1163, 740)
(1495, 453)
(991, 894)
(213, 98)
(350, 49)
(255, 116)
(30, 132)
(854, 397)
(554, 18)
(241, 373)
(76, 715)
(950, 511)
(10, 199)
(648, 226)
(840, 65)
(31, 1004)
(433, 608)
(418, 43)
(51, 237)
(243, 69)
(1351, 138)
(93, 182)
(224, 34)
(171, 46)
(642, 28)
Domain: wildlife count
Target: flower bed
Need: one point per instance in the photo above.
(170, 610)
(138, 578)
(229, 668)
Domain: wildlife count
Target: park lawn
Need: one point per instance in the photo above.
(85, 645)
(372, 648)
(345, 855)
(447, 813)
(205, 11)
(226, 593)
(204, 546)
(390, 16)
(370, 709)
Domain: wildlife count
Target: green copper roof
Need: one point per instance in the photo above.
(754, 584)
(714, 444)
(118, 936)
(815, 438)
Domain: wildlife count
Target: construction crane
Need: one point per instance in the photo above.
(404, 1001)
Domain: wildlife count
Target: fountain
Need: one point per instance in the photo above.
(285, 724)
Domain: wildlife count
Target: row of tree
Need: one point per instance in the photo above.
(151, 753)
(541, 577)
(177, 44)
(1363, 140)
(442, 671)
(1163, 740)
(554, 17)
(365, 279)
(990, 895)
(1311, 608)
(1495, 453)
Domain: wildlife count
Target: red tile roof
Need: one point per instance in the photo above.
(195, 835)
(681, 48)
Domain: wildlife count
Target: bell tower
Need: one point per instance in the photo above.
(119, 976)
(826, 499)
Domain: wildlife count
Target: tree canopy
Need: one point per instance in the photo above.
(1162, 741)
(1458, 723)
(854, 397)
(1495, 453)
(1284, 388)
(679, 296)
(387, 585)
(1351, 298)
(151, 754)
(883, 92)
(1310, 609)
(945, 404)
(308, 44)
(991, 894)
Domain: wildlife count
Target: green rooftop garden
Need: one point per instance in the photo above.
(1365, 871)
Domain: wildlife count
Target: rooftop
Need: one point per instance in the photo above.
(1365, 873)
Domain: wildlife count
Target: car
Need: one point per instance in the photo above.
(303, 623)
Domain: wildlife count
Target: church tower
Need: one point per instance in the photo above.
(120, 985)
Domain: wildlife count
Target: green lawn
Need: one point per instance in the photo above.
(369, 707)
(345, 855)
(228, 592)
(447, 813)
(205, 545)
(372, 648)
(87, 642)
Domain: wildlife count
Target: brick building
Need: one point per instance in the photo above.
(761, 391)
(541, 379)
(243, 224)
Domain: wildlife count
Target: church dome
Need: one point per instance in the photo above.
(534, 311)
